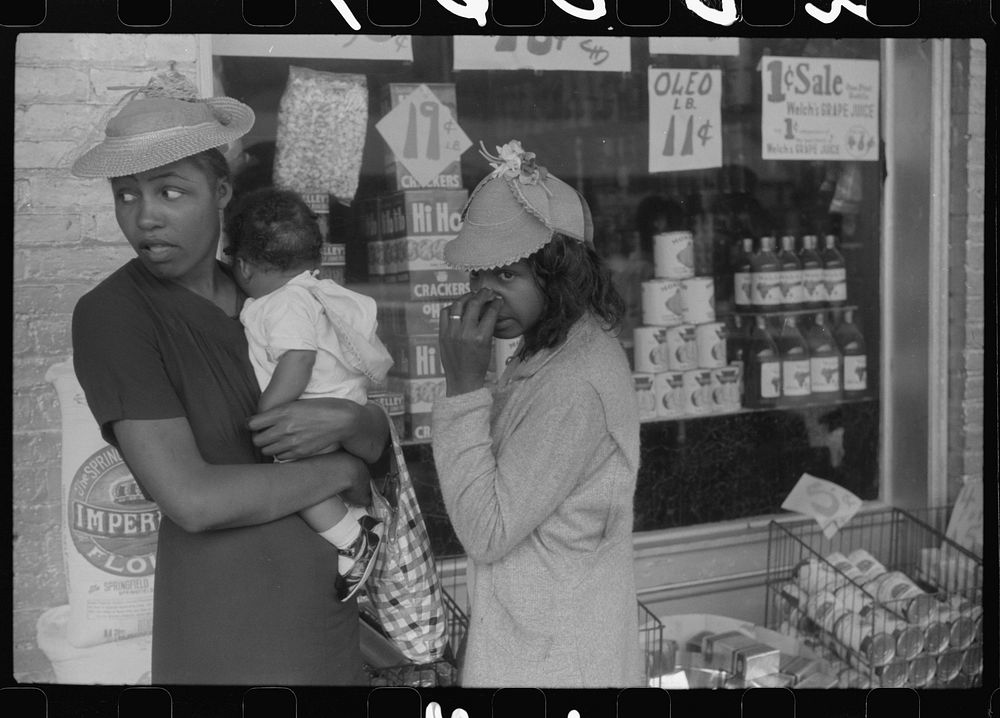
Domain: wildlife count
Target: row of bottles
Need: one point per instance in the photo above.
(772, 279)
(799, 361)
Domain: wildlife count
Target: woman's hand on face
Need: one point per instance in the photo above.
(465, 338)
(305, 427)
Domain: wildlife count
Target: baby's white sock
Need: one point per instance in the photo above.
(342, 534)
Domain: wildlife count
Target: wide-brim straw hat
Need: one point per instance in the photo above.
(152, 131)
(515, 211)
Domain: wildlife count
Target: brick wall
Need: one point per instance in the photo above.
(967, 301)
(65, 240)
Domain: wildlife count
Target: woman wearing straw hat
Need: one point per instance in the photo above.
(244, 590)
(538, 476)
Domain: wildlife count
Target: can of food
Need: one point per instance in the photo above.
(843, 564)
(894, 674)
(673, 255)
(797, 623)
(645, 395)
(896, 589)
(937, 636)
(662, 302)
(813, 574)
(668, 388)
(961, 632)
(792, 595)
(819, 601)
(726, 394)
(828, 616)
(650, 349)
(859, 635)
(867, 564)
(682, 349)
(697, 391)
(853, 598)
(949, 665)
(922, 670)
(698, 300)
(972, 661)
(710, 340)
(960, 604)
(909, 640)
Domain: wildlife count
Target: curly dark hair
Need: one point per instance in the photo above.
(273, 228)
(573, 280)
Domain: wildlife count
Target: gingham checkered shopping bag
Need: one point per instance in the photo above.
(404, 588)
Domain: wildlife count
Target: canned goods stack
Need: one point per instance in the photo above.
(680, 358)
(875, 620)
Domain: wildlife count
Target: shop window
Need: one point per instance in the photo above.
(593, 130)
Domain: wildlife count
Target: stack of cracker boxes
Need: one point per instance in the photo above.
(404, 230)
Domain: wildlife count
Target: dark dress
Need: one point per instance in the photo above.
(253, 605)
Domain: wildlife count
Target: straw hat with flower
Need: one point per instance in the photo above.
(514, 211)
(160, 123)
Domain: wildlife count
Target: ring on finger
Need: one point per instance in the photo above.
(454, 316)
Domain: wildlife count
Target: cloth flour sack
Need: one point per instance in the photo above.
(109, 528)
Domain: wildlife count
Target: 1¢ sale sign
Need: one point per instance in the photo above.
(819, 108)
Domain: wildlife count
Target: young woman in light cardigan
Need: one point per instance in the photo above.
(538, 475)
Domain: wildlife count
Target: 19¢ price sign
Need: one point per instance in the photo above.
(685, 119)
(423, 134)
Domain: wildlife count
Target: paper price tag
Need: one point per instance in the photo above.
(684, 119)
(423, 134)
(831, 505)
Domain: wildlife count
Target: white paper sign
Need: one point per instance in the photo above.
(423, 134)
(819, 108)
(542, 52)
(344, 47)
(831, 505)
(684, 119)
(965, 527)
(694, 46)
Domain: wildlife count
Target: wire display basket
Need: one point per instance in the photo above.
(889, 600)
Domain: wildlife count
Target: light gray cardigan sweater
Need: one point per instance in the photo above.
(538, 481)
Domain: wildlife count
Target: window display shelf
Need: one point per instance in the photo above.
(838, 309)
(814, 404)
(832, 405)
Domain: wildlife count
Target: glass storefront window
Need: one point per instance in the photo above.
(592, 129)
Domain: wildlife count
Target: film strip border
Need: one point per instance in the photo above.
(477, 16)
(278, 702)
